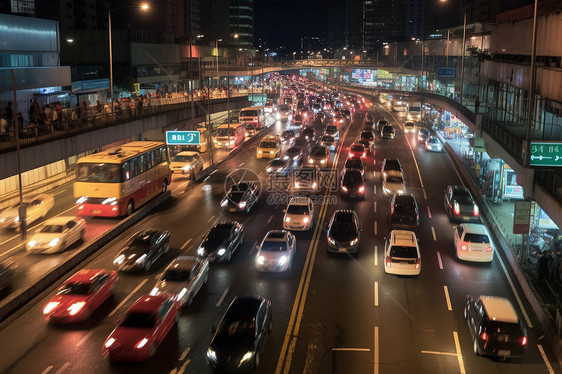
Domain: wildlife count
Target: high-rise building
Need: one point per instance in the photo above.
(222, 19)
(337, 24)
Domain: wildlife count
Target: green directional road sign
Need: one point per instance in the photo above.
(546, 153)
(183, 137)
(257, 97)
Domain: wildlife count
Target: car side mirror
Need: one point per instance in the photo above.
(213, 330)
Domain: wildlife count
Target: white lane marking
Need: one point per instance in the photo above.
(63, 368)
(184, 354)
(185, 244)
(418, 169)
(428, 212)
(527, 320)
(449, 306)
(545, 359)
(375, 206)
(269, 219)
(352, 349)
(376, 293)
(459, 354)
(128, 297)
(439, 353)
(48, 369)
(439, 260)
(222, 297)
(376, 350)
(433, 233)
(375, 227)
(376, 260)
(210, 219)
(81, 341)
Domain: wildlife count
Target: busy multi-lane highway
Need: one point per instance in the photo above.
(335, 313)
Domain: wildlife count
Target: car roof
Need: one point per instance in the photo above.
(499, 309)
(148, 304)
(394, 173)
(187, 153)
(145, 233)
(403, 238)
(223, 226)
(475, 228)
(460, 189)
(344, 215)
(61, 220)
(270, 138)
(276, 236)
(403, 198)
(183, 262)
(242, 307)
(86, 275)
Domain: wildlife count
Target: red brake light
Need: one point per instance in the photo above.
(418, 263)
(363, 154)
(464, 247)
(475, 212)
(388, 262)
(489, 249)
(457, 209)
(523, 341)
(484, 336)
(362, 188)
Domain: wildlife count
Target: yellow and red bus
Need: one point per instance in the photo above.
(230, 135)
(115, 182)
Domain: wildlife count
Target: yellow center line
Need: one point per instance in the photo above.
(459, 354)
(440, 353)
(446, 290)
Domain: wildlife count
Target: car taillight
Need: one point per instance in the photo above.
(363, 154)
(475, 212)
(388, 262)
(350, 154)
(523, 341)
(489, 249)
(457, 209)
(484, 336)
(464, 247)
(362, 188)
(418, 263)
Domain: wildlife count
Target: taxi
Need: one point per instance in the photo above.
(269, 147)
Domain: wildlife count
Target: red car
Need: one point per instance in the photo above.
(142, 328)
(80, 295)
(357, 150)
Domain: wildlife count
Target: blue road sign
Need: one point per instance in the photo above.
(446, 72)
(183, 137)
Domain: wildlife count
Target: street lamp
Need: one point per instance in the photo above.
(143, 7)
(217, 49)
(191, 74)
(294, 55)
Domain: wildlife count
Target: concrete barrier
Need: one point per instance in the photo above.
(19, 298)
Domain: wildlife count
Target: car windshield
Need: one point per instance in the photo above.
(433, 140)
(354, 164)
(288, 134)
(394, 179)
(367, 135)
(274, 246)
(226, 131)
(476, 238)
(318, 151)
(139, 320)
(237, 328)
(174, 275)
(140, 241)
(268, 145)
(74, 288)
(388, 129)
(331, 129)
(498, 328)
(52, 229)
(250, 127)
(98, 173)
(404, 205)
(297, 209)
(328, 139)
(218, 234)
(392, 165)
(352, 178)
(357, 148)
(462, 197)
(184, 158)
(403, 252)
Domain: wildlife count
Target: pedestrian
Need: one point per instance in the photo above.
(543, 265)
(9, 111)
(99, 107)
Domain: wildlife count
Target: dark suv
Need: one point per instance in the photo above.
(404, 211)
(495, 327)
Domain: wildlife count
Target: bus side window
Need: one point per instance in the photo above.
(125, 173)
(143, 163)
(134, 167)
(158, 156)
(164, 154)
(150, 156)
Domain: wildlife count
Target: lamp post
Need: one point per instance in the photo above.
(191, 75)
(531, 102)
(142, 6)
(217, 49)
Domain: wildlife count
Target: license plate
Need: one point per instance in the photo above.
(504, 353)
(97, 211)
(342, 249)
(232, 210)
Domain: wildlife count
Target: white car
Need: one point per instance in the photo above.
(184, 277)
(433, 144)
(473, 243)
(187, 162)
(299, 214)
(36, 207)
(56, 234)
(402, 253)
(393, 182)
(276, 251)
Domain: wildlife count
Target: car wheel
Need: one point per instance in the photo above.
(475, 347)
(256, 360)
(165, 186)
(130, 207)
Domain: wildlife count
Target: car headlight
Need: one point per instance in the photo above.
(310, 161)
(201, 251)
(260, 260)
(279, 170)
(50, 307)
(211, 354)
(110, 201)
(154, 291)
(297, 184)
(278, 115)
(54, 242)
(269, 170)
(305, 219)
(247, 356)
(31, 243)
(287, 219)
(182, 293)
(282, 260)
(331, 240)
(140, 259)
(224, 203)
(259, 152)
(354, 241)
(221, 251)
(386, 190)
(81, 200)
(76, 307)
(400, 192)
(344, 188)
(242, 205)
(109, 342)
(272, 152)
(187, 167)
(141, 343)
(17, 219)
(119, 260)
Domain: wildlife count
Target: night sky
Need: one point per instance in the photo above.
(284, 22)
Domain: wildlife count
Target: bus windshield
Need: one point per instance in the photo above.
(226, 131)
(249, 113)
(98, 173)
